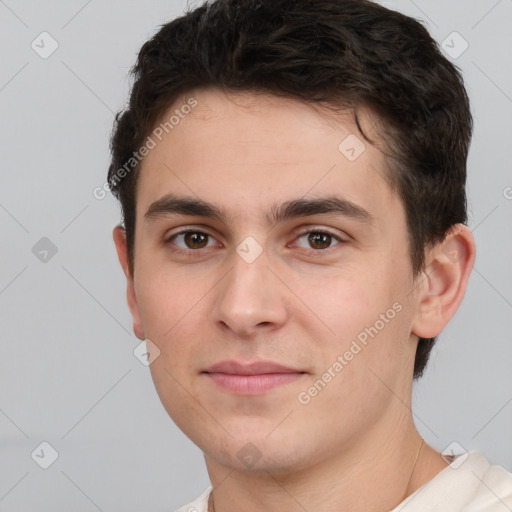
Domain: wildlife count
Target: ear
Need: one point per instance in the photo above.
(443, 282)
(119, 235)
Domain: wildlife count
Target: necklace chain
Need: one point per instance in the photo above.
(210, 500)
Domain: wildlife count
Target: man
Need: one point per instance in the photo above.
(292, 182)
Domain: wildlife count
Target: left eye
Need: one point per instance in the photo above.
(320, 240)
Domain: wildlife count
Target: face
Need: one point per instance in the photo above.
(272, 273)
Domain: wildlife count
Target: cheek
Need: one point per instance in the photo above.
(175, 308)
(163, 308)
(170, 314)
(341, 304)
(164, 297)
(363, 320)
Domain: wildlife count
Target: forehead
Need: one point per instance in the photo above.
(247, 152)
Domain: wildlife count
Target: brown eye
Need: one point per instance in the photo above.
(195, 240)
(319, 240)
(190, 240)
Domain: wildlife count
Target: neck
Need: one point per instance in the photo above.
(374, 475)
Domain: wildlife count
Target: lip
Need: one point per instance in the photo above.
(253, 378)
(256, 368)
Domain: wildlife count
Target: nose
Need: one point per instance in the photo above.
(250, 299)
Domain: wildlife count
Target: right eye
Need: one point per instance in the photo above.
(190, 240)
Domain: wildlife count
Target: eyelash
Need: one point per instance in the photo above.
(190, 252)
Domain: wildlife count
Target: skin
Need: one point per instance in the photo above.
(299, 303)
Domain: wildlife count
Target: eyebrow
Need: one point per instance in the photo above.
(172, 204)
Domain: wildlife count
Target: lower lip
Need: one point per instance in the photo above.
(253, 384)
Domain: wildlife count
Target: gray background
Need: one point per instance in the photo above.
(68, 375)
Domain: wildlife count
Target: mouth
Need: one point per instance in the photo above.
(251, 379)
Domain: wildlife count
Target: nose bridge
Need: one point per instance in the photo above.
(250, 294)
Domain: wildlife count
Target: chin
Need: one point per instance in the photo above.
(258, 453)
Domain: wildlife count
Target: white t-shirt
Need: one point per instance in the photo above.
(469, 484)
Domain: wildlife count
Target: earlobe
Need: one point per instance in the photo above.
(445, 279)
(119, 236)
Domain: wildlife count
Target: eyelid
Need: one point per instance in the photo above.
(182, 230)
(321, 229)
